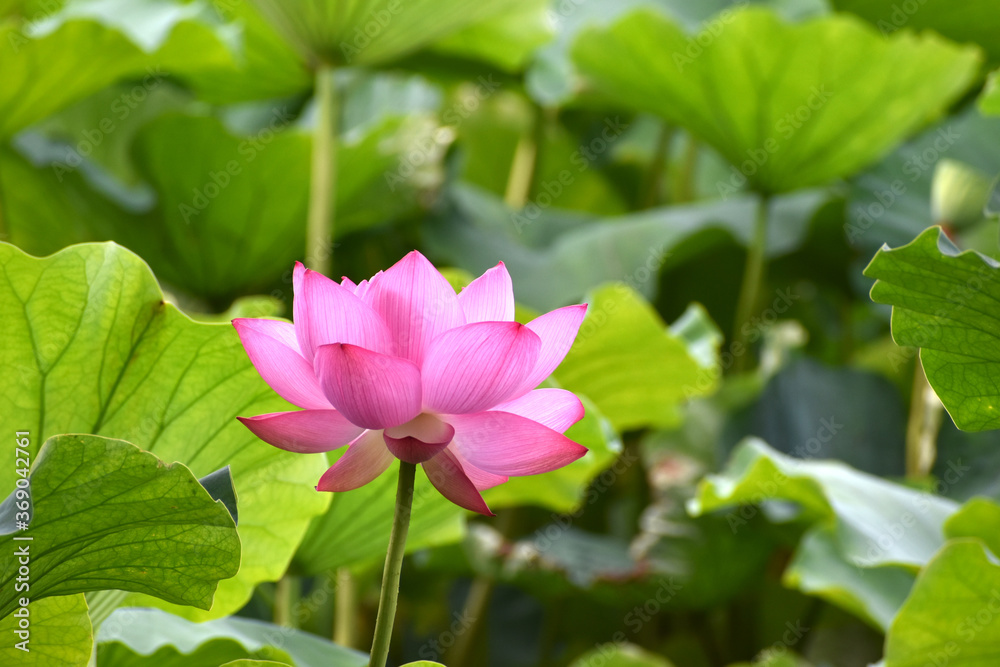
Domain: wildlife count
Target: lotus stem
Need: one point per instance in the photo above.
(753, 277)
(323, 176)
(393, 565)
(345, 619)
(922, 426)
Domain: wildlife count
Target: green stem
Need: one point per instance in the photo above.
(393, 565)
(323, 177)
(653, 195)
(476, 604)
(753, 277)
(684, 180)
(345, 614)
(286, 593)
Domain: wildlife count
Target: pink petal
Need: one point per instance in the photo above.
(303, 431)
(481, 479)
(349, 284)
(556, 408)
(364, 460)
(372, 390)
(447, 476)
(326, 312)
(419, 439)
(489, 298)
(417, 304)
(557, 329)
(507, 444)
(475, 366)
(274, 352)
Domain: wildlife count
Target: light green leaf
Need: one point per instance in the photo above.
(108, 515)
(979, 518)
(953, 614)
(94, 349)
(865, 536)
(370, 32)
(508, 39)
(970, 21)
(620, 655)
(862, 507)
(92, 44)
(819, 568)
(556, 257)
(60, 634)
(786, 104)
(265, 66)
(150, 637)
(630, 365)
(423, 663)
(945, 302)
(354, 532)
(254, 663)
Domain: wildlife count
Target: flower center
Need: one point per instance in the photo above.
(419, 439)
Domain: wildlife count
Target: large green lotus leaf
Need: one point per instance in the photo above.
(92, 44)
(945, 302)
(369, 32)
(231, 213)
(46, 209)
(891, 202)
(354, 532)
(552, 80)
(243, 662)
(231, 210)
(785, 103)
(265, 66)
(863, 508)
(556, 257)
(970, 21)
(635, 369)
(953, 614)
(621, 654)
(60, 634)
(92, 348)
(865, 536)
(507, 40)
(152, 638)
(107, 515)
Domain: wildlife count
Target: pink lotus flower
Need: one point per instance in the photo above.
(401, 367)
